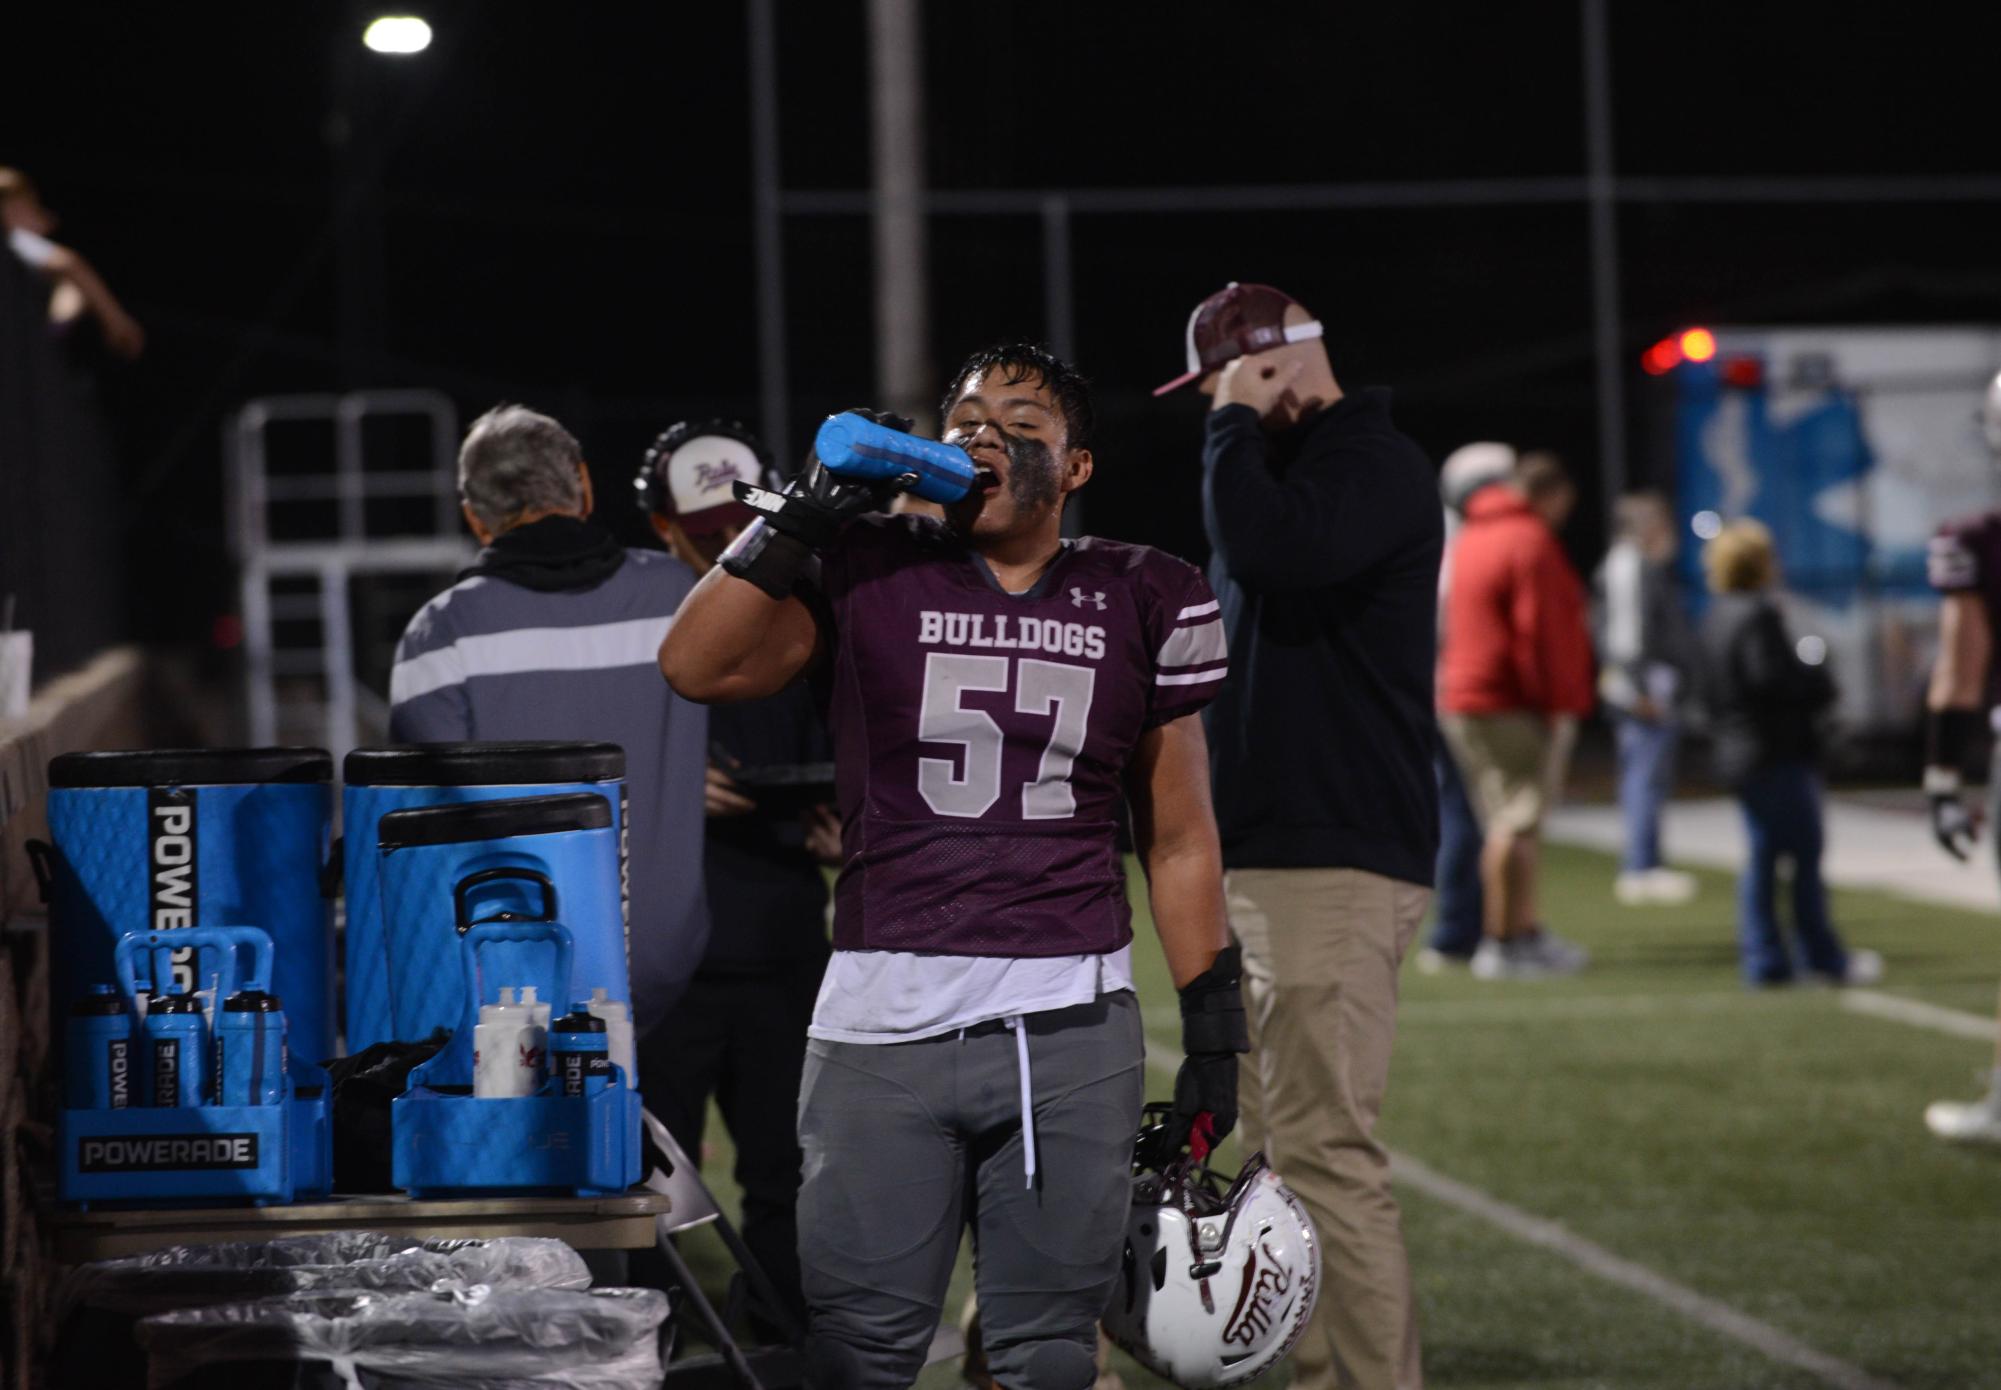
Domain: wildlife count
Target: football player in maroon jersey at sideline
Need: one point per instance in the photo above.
(976, 1054)
(1964, 564)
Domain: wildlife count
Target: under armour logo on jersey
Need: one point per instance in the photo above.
(1078, 598)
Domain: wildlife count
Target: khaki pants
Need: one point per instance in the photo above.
(1321, 952)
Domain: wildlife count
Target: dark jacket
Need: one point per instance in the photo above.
(1763, 700)
(1326, 542)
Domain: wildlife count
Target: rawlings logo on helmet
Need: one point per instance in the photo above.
(1188, 1226)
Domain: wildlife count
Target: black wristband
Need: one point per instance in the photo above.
(1212, 1008)
(769, 558)
(1953, 738)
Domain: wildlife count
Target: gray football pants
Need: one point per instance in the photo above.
(907, 1144)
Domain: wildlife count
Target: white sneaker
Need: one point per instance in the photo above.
(1967, 1122)
(1432, 961)
(1558, 957)
(1523, 958)
(1865, 967)
(1633, 889)
(1671, 887)
(1648, 886)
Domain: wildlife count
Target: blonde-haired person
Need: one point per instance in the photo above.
(1764, 702)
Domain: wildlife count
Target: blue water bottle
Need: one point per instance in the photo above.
(173, 1050)
(250, 1054)
(97, 1070)
(579, 1052)
(856, 447)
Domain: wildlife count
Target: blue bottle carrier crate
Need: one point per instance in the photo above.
(449, 1142)
(151, 1156)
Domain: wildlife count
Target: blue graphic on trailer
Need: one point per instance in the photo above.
(1807, 477)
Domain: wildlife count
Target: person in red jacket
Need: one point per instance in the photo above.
(1514, 676)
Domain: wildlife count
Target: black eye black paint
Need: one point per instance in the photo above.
(1031, 476)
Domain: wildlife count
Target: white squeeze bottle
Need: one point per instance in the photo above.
(538, 1011)
(507, 1048)
(618, 1034)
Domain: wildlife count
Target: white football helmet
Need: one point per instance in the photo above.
(1216, 1282)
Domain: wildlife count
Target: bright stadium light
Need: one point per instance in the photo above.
(398, 34)
(1706, 525)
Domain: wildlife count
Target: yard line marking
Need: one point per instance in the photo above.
(1575, 1006)
(1596, 1259)
(1897, 1009)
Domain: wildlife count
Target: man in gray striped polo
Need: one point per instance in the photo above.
(553, 633)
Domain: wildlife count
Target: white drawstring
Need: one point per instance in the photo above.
(1016, 1027)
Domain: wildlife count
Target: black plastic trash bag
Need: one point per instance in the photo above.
(97, 1305)
(467, 1338)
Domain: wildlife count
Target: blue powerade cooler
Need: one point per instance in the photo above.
(382, 780)
(169, 839)
(532, 859)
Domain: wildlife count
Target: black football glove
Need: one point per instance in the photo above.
(796, 525)
(1954, 825)
(1213, 1032)
(1952, 737)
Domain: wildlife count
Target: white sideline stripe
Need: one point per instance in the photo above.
(1213, 605)
(1918, 1014)
(602, 646)
(1596, 1259)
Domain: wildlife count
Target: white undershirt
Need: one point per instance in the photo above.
(900, 996)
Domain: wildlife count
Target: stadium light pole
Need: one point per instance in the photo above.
(1602, 197)
(768, 228)
(902, 290)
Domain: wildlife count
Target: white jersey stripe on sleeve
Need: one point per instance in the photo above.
(1191, 677)
(1200, 610)
(1194, 646)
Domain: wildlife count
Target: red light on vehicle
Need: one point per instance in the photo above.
(1698, 345)
(1662, 358)
(1744, 373)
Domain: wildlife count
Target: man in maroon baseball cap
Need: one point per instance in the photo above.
(1239, 320)
(1325, 539)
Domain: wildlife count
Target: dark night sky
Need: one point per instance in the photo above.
(566, 206)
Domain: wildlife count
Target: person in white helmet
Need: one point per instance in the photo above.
(1964, 564)
(1458, 905)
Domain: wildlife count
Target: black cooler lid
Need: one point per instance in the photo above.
(484, 764)
(493, 820)
(190, 767)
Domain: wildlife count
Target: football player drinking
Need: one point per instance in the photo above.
(976, 1052)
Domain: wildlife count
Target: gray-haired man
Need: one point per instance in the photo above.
(553, 634)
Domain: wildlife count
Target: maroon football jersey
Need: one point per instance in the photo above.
(980, 737)
(1965, 557)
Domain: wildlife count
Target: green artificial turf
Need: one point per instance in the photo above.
(1765, 1149)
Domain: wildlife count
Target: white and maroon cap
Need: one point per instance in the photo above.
(691, 471)
(1234, 322)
